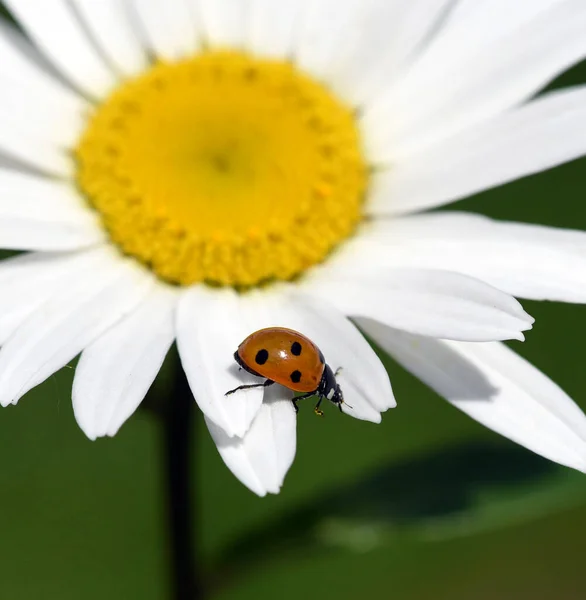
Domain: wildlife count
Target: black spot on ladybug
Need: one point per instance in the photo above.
(296, 348)
(296, 376)
(261, 357)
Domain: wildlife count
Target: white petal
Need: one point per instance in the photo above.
(33, 102)
(13, 35)
(225, 22)
(272, 27)
(37, 115)
(440, 97)
(496, 387)
(210, 325)
(40, 122)
(472, 23)
(22, 65)
(383, 39)
(363, 378)
(527, 261)
(357, 403)
(43, 214)
(112, 27)
(69, 321)
(322, 31)
(262, 458)
(29, 280)
(170, 27)
(115, 372)
(434, 303)
(52, 25)
(545, 133)
(27, 149)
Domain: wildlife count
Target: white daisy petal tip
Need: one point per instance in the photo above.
(431, 302)
(88, 430)
(498, 388)
(7, 401)
(374, 417)
(361, 405)
(525, 317)
(116, 371)
(261, 458)
(527, 322)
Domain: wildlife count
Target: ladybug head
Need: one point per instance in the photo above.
(338, 397)
(329, 387)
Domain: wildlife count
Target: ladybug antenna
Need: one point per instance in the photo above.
(342, 401)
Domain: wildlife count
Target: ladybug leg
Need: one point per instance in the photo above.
(317, 410)
(338, 370)
(296, 399)
(249, 386)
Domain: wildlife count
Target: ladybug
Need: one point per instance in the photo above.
(289, 358)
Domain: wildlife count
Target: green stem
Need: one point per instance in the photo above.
(178, 431)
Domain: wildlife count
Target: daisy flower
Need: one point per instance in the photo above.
(195, 170)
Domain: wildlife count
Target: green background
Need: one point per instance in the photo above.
(427, 504)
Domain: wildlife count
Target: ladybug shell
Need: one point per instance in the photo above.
(284, 356)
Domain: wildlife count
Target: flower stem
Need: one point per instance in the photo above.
(178, 430)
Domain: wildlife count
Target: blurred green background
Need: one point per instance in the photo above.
(429, 504)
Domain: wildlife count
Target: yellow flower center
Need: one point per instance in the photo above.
(224, 168)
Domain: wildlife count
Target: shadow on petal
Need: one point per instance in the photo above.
(445, 370)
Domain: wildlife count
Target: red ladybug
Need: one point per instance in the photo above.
(289, 358)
